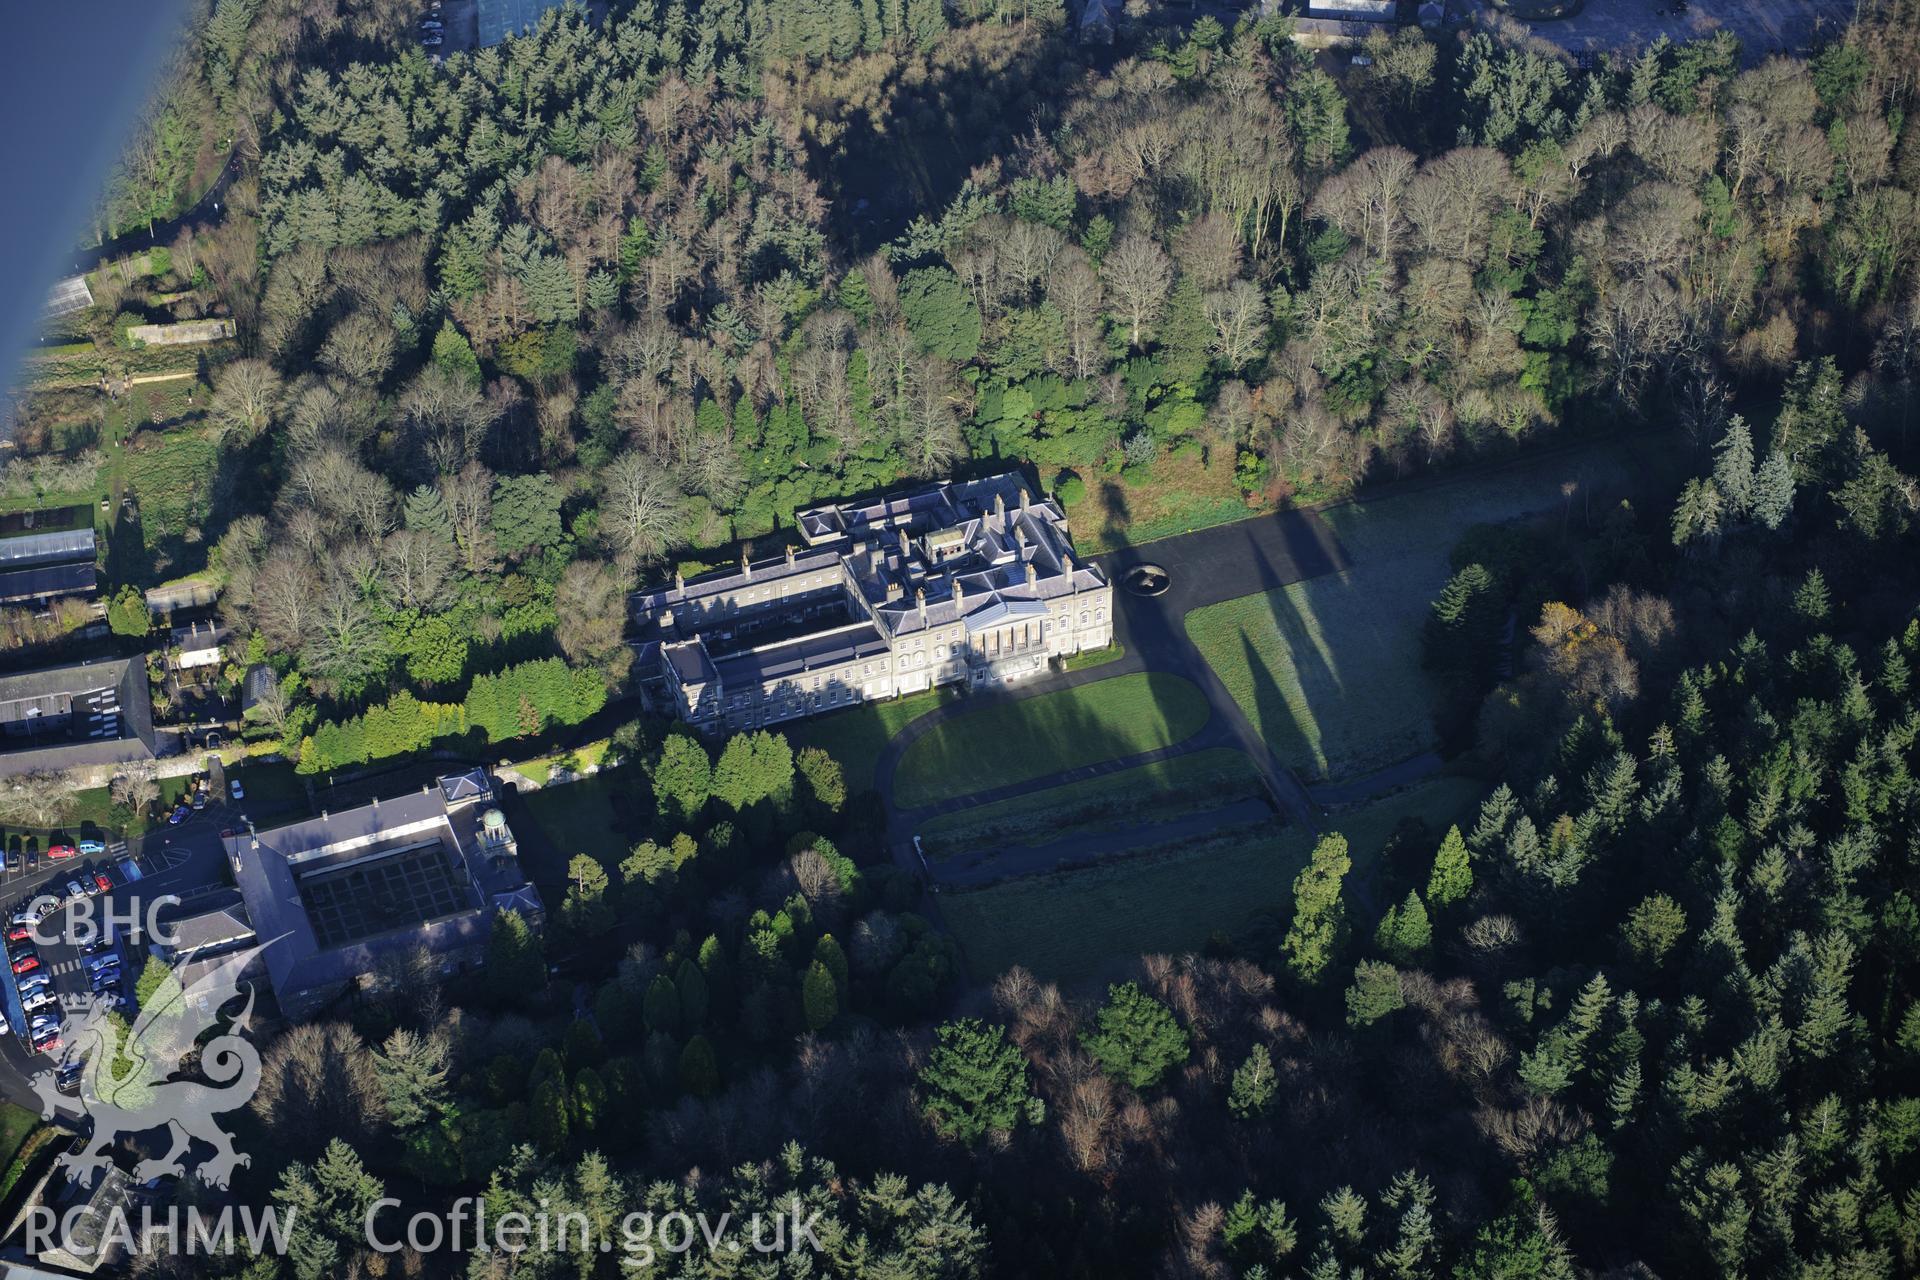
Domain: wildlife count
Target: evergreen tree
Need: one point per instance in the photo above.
(975, 1082)
(1404, 932)
(1452, 877)
(1254, 1086)
(699, 1070)
(1319, 912)
(1375, 993)
(1135, 1038)
(682, 779)
(819, 997)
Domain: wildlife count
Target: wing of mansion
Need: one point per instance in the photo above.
(971, 583)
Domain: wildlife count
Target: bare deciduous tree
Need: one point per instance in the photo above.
(1137, 275)
(248, 397)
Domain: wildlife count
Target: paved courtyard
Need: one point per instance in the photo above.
(1765, 27)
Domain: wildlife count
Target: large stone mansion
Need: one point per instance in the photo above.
(971, 583)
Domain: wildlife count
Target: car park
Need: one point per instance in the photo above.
(26, 964)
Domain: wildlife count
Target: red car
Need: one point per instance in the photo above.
(19, 933)
(61, 852)
(26, 964)
(50, 1046)
(100, 882)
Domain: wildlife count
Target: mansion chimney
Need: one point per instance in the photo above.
(920, 599)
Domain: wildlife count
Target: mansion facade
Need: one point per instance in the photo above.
(972, 583)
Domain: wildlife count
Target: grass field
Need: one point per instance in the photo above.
(17, 1126)
(857, 737)
(1093, 657)
(1010, 742)
(1329, 670)
(1176, 495)
(578, 818)
(1159, 792)
(1068, 925)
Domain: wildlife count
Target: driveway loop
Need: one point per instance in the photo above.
(1147, 580)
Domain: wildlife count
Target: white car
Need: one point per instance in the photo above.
(44, 1000)
(235, 789)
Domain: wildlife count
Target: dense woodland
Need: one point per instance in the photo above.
(523, 327)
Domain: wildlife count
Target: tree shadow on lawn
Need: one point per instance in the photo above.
(1039, 733)
(1293, 739)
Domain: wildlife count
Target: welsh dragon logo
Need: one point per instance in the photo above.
(128, 1084)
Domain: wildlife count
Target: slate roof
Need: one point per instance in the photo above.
(807, 653)
(270, 865)
(119, 684)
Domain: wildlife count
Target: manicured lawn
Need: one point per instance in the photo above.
(1329, 670)
(1011, 742)
(857, 737)
(1094, 657)
(1066, 926)
(1157, 792)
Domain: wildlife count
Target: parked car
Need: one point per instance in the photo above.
(52, 1044)
(61, 852)
(430, 24)
(26, 964)
(13, 860)
(430, 41)
(66, 1077)
(74, 891)
(39, 1000)
(19, 933)
(238, 792)
(33, 861)
(100, 882)
(179, 815)
(103, 964)
(93, 848)
(37, 982)
(99, 946)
